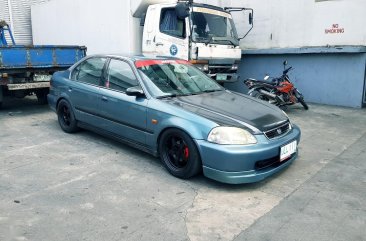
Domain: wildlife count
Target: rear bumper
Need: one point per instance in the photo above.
(52, 102)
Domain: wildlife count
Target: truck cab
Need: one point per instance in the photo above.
(206, 36)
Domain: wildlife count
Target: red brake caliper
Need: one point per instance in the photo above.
(186, 152)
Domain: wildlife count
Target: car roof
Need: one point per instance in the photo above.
(133, 57)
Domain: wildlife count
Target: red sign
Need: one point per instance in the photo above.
(334, 29)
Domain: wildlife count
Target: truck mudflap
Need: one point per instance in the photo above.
(25, 86)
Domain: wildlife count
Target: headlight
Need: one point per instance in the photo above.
(234, 67)
(231, 136)
(203, 67)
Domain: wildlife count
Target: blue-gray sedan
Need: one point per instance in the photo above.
(171, 109)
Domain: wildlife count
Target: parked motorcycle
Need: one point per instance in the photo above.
(278, 91)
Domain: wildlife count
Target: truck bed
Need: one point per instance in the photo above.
(19, 58)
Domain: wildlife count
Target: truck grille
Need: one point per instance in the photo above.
(278, 131)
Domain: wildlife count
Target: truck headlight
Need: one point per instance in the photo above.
(234, 67)
(230, 136)
(203, 67)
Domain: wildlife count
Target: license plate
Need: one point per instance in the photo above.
(221, 77)
(288, 150)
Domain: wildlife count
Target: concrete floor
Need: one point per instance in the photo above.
(57, 186)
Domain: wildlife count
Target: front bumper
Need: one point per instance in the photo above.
(236, 164)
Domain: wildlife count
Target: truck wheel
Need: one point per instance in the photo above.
(66, 117)
(179, 154)
(42, 96)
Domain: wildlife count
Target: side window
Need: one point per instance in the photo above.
(170, 24)
(89, 71)
(75, 72)
(120, 76)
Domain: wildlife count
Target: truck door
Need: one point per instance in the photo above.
(171, 38)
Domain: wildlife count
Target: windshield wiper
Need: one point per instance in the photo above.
(231, 40)
(209, 91)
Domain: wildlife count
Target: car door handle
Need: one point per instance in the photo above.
(159, 44)
(104, 98)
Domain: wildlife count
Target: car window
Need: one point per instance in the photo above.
(170, 23)
(120, 76)
(89, 71)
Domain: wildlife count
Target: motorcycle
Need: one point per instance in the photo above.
(279, 91)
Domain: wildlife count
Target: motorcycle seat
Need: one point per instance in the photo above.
(271, 82)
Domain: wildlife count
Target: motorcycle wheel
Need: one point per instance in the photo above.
(301, 100)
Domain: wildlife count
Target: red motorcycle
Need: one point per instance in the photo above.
(279, 91)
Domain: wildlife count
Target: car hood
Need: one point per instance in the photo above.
(232, 109)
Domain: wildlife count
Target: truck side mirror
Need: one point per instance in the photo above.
(250, 18)
(182, 10)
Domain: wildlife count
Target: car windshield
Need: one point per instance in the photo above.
(212, 26)
(168, 78)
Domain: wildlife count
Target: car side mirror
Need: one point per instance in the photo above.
(135, 91)
(285, 62)
(266, 77)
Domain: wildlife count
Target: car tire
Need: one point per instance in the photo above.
(66, 117)
(179, 154)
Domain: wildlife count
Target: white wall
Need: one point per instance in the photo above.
(302, 23)
(102, 26)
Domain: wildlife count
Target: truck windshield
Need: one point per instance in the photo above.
(213, 26)
(166, 78)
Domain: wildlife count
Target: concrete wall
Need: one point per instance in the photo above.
(324, 75)
(100, 26)
(301, 23)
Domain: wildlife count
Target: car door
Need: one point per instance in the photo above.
(123, 115)
(84, 90)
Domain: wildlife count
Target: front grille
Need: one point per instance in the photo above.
(271, 162)
(278, 131)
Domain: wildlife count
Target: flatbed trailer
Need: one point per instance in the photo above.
(27, 69)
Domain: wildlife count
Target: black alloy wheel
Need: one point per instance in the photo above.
(66, 117)
(179, 154)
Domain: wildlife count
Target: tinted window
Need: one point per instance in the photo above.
(170, 24)
(120, 76)
(89, 71)
(175, 77)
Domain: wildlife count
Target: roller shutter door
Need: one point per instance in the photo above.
(19, 19)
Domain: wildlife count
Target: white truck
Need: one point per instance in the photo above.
(203, 34)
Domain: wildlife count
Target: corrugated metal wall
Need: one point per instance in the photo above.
(4, 14)
(17, 13)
